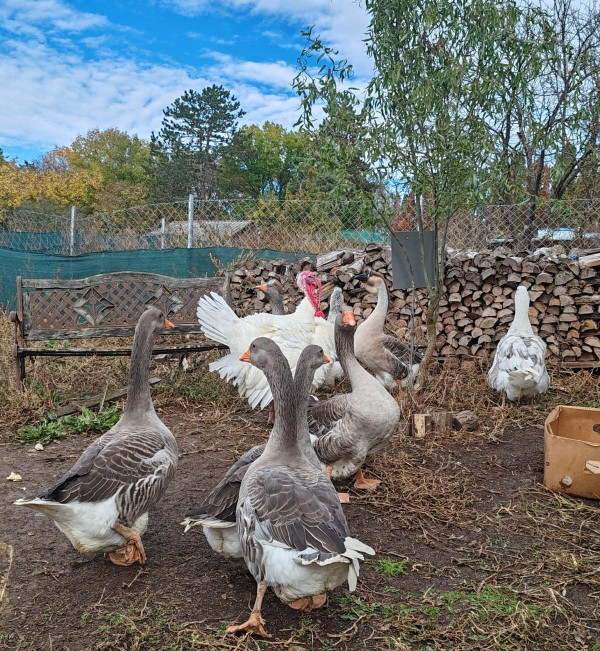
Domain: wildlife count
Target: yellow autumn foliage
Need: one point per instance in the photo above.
(20, 185)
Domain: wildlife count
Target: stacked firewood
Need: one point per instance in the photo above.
(476, 308)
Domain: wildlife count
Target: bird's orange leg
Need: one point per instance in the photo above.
(344, 497)
(131, 551)
(362, 482)
(255, 623)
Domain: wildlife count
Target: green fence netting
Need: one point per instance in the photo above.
(180, 263)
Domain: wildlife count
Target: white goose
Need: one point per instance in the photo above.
(519, 369)
(292, 332)
(102, 503)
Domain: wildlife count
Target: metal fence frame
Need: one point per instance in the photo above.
(310, 226)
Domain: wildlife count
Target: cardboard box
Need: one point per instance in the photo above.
(572, 451)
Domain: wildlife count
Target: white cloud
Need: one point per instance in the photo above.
(341, 23)
(54, 96)
(20, 17)
(277, 74)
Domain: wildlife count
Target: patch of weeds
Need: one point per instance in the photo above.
(88, 421)
(51, 429)
(55, 396)
(594, 647)
(54, 343)
(207, 388)
(390, 589)
(392, 568)
(490, 601)
(47, 430)
(357, 608)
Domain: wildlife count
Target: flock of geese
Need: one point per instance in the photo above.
(276, 507)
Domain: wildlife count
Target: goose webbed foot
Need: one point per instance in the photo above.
(255, 623)
(309, 603)
(363, 483)
(132, 551)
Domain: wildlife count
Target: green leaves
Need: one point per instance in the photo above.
(51, 429)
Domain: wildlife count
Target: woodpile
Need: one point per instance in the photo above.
(476, 308)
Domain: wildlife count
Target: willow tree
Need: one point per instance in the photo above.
(437, 70)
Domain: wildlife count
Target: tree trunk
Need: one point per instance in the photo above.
(430, 321)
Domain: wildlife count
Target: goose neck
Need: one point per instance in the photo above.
(283, 437)
(139, 399)
(521, 321)
(303, 382)
(344, 345)
(377, 317)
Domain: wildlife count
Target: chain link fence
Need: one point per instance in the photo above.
(296, 225)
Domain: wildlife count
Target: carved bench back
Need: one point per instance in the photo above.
(108, 305)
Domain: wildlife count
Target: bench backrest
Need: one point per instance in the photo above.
(108, 305)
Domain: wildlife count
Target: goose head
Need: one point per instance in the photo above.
(153, 322)
(271, 287)
(371, 280)
(309, 284)
(265, 353)
(313, 357)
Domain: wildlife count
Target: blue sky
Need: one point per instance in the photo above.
(67, 66)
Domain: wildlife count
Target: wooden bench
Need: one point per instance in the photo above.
(107, 305)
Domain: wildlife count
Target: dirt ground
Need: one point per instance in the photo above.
(472, 553)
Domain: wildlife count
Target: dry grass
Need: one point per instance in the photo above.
(488, 560)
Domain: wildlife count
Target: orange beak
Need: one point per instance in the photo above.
(326, 359)
(348, 318)
(263, 287)
(168, 324)
(246, 356)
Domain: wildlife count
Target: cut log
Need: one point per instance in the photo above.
(588, 261)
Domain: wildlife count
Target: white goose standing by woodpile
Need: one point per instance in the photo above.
(102, 503)
(519, 368)
(292, 332)
(292, 530)
(390, 360)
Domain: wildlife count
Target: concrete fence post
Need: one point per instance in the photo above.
(190, 228)
(163, 232)
(72, 231)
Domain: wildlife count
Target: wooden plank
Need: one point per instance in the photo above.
(117, 351)
(136, 276)
(76, 405)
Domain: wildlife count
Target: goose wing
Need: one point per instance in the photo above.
(324, 415)
(292, 332)
(295, 509)
(401, 350)
(520, 354)
(221, 502)
(108, 465)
